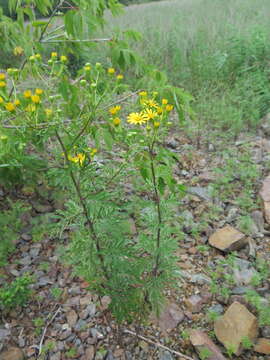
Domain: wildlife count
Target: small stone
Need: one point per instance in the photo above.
(105, 302)
(165, 355)
(88, 312)
(263, 346)
(96, 334)
(65, 335)
(42, 208)
(12, 353)
(4, 333)
(86, 300)
(217, 308)
(21, 342)
(72, 318)
(90, 353)
(169, 318)
(265, 196)
(228, 239)
(200, 279)
(194, 303)
(266, 331)
(201, 341)
(236, 324)
(80, 325)
(56, 356)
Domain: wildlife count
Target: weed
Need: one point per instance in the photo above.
(17, 293)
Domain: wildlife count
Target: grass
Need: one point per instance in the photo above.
(218, 50)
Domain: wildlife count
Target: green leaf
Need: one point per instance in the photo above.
(161, 185)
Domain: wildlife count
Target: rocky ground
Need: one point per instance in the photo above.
(63, 321)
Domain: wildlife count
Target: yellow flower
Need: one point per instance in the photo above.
(48, 112)
(116, 121)
(30, 108)
(63, 59)
(1, 100)
(120, 77)
(159, 110)
(111, 71)
(81, 158)
(38, 56)
(150, 114)
(156, 124)
(151, 103)
(164, 101)
(54, 55)
(78, 158)
(32, 58)
(87, 68)
(17, 102)
(9, 106)
(136, 118)
(3, 137)
(35, 99)
(18, 50)
(27, 94)
(39, 91)
(114, 110)
(2, 84)
(169, 107)
(143, 93)
(93, 152)
(2, 76)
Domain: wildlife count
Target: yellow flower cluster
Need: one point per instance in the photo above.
(79, 158)
(152, 111)
(113, 111)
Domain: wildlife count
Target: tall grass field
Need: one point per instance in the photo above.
(219, 50)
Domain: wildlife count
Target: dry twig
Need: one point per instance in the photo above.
(157, 344)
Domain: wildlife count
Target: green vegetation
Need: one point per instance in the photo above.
(16, 293)
(218, 50)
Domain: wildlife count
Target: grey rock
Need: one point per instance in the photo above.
(34, 252)
(26, 260)
(240, 290)
(65, 334)
(243, 272)
(201, 192)
(266, 331)
(76, 290)
(43, 281)
(81, 325)
(109, 356)
(4, 333)
(165, 355)
(26, 237)
(96, 334)
(232, 214)
(200, 279)
(56, 356)
(21, 342)
(217, 308)
(88, 312)
(60, 345)
(14, 272)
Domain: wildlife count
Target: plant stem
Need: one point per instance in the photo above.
(157, 201)
(85, 209)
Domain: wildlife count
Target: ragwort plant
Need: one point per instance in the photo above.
(76, 130)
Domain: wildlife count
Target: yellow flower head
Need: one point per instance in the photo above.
(156, 124)
(54, 55)
(2, 84)
(10, 107)
(17, 102)
(32, 58)
(81, 158)
(111, 71)
(93, 152)
(159, 110)
(151, 103)
(116, 121)
(150, 114)
(63, 59)
(87, 68)
(35, 99)
(2, 76)
(143, 93)
(120, 77)
(27, 94)
(37, 56)
(18, 50)
(136, 118)
(1, 100)
(164, 101)
(114, 110)
(169, 107)
(30, 108)
(39, 91)
(48, 112)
